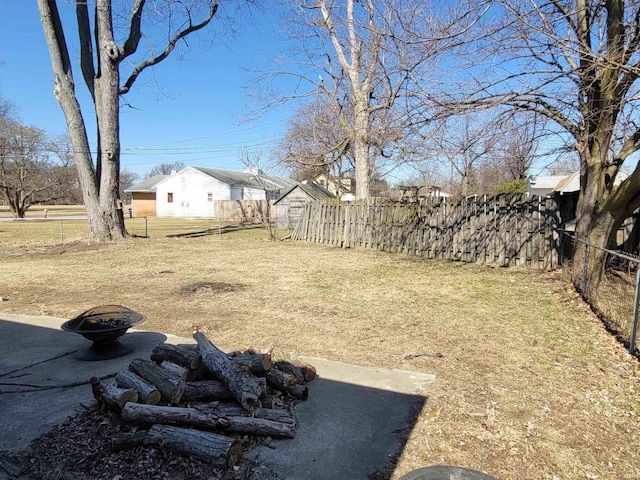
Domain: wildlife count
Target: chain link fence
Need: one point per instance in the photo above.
(616, 297)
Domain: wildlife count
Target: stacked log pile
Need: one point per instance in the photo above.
(198, 400)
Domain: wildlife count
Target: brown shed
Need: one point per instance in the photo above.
(143, 196)
(289, 206)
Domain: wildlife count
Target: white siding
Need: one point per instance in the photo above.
(190, 188)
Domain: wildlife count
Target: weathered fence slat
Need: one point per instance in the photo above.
(508, 230)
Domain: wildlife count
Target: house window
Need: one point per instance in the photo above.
(170, 197)
(209, 197)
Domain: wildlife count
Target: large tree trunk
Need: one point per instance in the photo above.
(101, 212)
(361, 132)
(599, 213)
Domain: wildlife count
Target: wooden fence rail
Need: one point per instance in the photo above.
(507, 230)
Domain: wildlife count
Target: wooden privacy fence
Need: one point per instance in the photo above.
(507, 230)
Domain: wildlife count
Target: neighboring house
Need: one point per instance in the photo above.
(543, 185)
(289, 207)
(143, 196)
(546, 185)
(335, 186)
(192, 191)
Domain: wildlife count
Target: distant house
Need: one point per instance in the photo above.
(546, 185)
(192, 191)
(336, 186)
(290, 205)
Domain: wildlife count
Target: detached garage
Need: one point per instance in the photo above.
(289, 207)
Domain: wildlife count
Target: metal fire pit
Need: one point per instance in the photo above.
(104, 325)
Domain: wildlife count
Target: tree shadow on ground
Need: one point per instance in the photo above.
(235, 227)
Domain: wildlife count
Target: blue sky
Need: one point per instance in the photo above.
(186, 110)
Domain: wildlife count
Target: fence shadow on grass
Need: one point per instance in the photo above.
(217, 230)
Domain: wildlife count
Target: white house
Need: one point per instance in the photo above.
(191, 192)
(546, 185)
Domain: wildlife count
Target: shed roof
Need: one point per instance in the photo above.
(248, 179)
(148, 185)
(313, 190)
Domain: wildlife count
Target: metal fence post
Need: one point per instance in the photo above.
(585, 274)
(634, 327)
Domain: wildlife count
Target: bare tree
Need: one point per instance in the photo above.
(165, 168)
(110, 67)
(363, 56)
(28, 173)
(461, 143)
(578, 66)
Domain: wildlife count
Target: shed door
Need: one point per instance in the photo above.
(295, 211)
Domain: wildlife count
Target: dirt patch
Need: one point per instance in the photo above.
(212, 287)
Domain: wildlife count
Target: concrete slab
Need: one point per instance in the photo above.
(348, 428)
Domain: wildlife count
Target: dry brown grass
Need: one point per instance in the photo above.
(529, 384)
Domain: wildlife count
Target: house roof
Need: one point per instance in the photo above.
(248, 179)
(314, 191)
(148, 185)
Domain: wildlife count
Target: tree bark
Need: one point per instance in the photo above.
(242, 385)
(212, 390)
(275, 414)
(171, 388)
(112, 396)
(209, 447)
(147, 393)
(256, 363)
(185, 355)
(190, 417)
(280, 380)
(206, 417)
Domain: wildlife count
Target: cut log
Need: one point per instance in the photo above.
(211, 390)
(209, 447)
(308, 371)
(190, 417)
(111, 395)
(242, 385)
(147, 393)
(261, 426)
(291, 369)
(278, 356)
(185, 355)
(280, 380)
(250, 425)
(256, 363)
(178, 371)
(275, 414)
(171, 388)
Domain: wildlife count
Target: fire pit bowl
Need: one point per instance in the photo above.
(104, 325)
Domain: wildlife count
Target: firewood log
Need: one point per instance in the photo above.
(147, 393)
(260, 426)
(185, 355)
(280, 380)
(275, 414)
(256, 363)
(110, 395)
(287, 367)
(211, 390)
(209, 447)
(187, 417)
(178, 371)
(242, 385)
(171, 387)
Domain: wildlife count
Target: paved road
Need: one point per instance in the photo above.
(48, 219)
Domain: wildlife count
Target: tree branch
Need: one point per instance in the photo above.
(168, 49)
